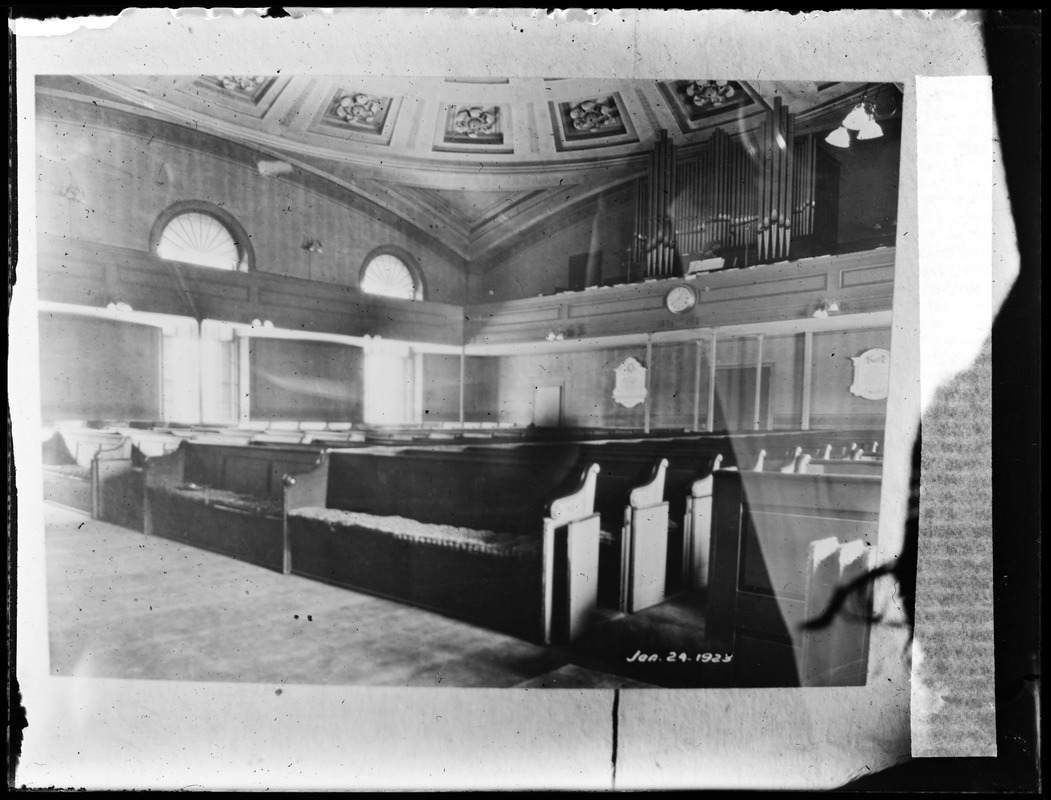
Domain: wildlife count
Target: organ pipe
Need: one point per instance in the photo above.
(727, 197)
(661, 248)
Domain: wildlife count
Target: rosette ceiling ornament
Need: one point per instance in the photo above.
(242, 83)
(475, 121)
(710, 93)
(358, 108)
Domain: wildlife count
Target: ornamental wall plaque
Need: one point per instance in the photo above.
(871, 374)
(630, 388)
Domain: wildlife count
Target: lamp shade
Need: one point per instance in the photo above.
(857, 118)
(870, 130)
(840, 137)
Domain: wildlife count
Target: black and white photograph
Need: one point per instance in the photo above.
(605, 410)
(460, 389)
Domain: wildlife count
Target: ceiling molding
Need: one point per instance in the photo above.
(470, 165)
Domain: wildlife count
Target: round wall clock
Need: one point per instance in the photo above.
(680, 299)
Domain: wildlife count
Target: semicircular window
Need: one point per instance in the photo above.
(200, 239)
(389, 276)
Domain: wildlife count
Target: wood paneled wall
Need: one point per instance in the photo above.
(441, 387)
(81, 273)
(304, 380)
(861, 282)
(130, 169)
(95, 369)
(679, 380)
(536, 261)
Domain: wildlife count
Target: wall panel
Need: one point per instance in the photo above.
(130, 169)
(99, 369)
(832, 404)
(441, 387)
(304, 380)
(538, 262)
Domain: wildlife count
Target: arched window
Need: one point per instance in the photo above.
(202, 234)
(391, 275)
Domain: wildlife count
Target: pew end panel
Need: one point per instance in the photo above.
(571, 534)
(763, 525)
(837, 653)
(161, 472)
(303, 490)
(646, 543)
(107, 463)
(698, 539)
(117, 492)
(69, 474)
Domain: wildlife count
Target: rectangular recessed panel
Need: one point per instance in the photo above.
(866, 276)
(626, 306)
(780, 287)
(503, 318)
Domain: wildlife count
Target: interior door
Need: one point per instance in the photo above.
(547, 406)
(735, 399)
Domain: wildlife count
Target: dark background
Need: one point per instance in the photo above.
(1013, 43)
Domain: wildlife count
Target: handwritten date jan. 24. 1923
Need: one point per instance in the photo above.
(681, 658)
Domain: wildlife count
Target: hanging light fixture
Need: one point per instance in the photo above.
(862, 120)
(840, 137)
(870, 129)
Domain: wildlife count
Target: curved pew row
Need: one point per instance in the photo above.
(506, 542)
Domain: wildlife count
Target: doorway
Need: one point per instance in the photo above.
(735, 399)
(547, 406)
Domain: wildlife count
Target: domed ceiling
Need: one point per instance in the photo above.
(480, 157)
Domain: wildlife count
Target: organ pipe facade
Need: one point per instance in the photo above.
(745, 195)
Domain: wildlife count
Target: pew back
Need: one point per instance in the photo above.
(501, 490)
(256, 470)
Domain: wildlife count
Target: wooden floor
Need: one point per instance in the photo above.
(125, 605)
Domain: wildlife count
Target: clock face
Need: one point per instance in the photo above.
(680, 299)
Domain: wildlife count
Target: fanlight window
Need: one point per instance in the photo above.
(201, 239)
(389, 276)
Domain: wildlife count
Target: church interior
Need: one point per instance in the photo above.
(469, 382)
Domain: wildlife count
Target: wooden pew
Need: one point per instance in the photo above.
(763, 526)
(644, 544)
(505, 541)
(68, 465)
(118, 484)
(639, 492)
(634, 523)
(224, 497)
(841, 466)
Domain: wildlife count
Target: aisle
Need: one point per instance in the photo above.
(124, 605)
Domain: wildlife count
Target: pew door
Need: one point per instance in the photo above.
(547, 406)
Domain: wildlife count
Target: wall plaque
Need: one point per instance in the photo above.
(871, 374)
(630, 388)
